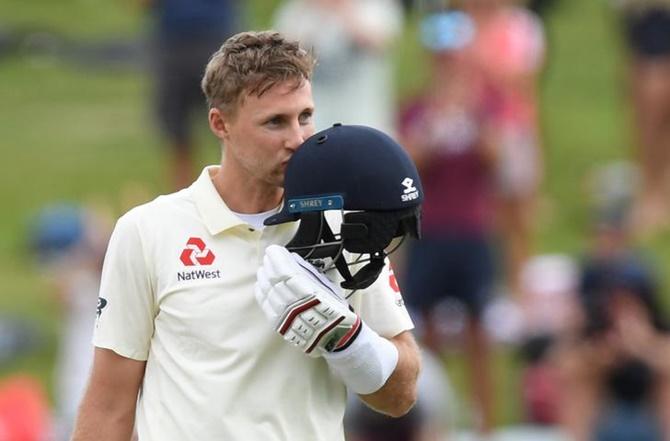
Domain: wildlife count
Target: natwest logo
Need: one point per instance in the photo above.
(196, 253)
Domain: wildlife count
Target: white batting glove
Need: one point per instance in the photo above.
(306, 308)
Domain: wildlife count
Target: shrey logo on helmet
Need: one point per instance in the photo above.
(410, 192)
(359, 171)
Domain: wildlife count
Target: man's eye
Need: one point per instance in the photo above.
(274, 121)
(305, 117)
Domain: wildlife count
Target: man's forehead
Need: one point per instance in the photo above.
(284, 96)
(280, 88)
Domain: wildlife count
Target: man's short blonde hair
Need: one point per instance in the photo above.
(250, 63)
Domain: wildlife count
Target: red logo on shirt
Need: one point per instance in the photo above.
(196, 253)
(393, 281)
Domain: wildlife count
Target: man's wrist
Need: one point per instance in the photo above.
(366, 364)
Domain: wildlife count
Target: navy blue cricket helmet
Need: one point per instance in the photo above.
(366, 174)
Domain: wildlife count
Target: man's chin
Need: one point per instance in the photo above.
(276, 180)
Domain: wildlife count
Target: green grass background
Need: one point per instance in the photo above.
(70, 132)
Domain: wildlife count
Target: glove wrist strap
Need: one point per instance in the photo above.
(366, 364)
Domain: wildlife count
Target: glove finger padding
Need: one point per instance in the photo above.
(262, 292)
(281, 296)
(305, 307)
(332, 324)
(262, 281)
(279, 264)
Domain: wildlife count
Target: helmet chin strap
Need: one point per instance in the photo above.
(307, 242)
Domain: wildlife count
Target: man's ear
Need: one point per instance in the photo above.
(218, 122)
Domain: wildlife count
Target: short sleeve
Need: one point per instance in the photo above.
(126, 305)
(381, 305)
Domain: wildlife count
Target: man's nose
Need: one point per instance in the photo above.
(297, 135)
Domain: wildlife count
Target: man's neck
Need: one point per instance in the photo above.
(244, 194)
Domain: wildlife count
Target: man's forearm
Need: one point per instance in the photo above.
(398, 395)
(94, 425)
(98, 422)
(107, 411)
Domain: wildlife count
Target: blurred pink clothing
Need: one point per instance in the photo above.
(509, 50)
(510, 47)
(24, 411)
(458, 184)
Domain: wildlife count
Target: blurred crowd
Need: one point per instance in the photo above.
(589, 330)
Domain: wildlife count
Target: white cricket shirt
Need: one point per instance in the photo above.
(177, 291)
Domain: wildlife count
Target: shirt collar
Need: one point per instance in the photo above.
(214, 211)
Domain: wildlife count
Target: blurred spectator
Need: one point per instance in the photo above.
(612, 188)
(24, 410)
(615, 367)
(509, 49)
(185, 34)
(550, 283)
(69, 242)
(353, 81)
(17, 337)
(446, 130)
(647, 30)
